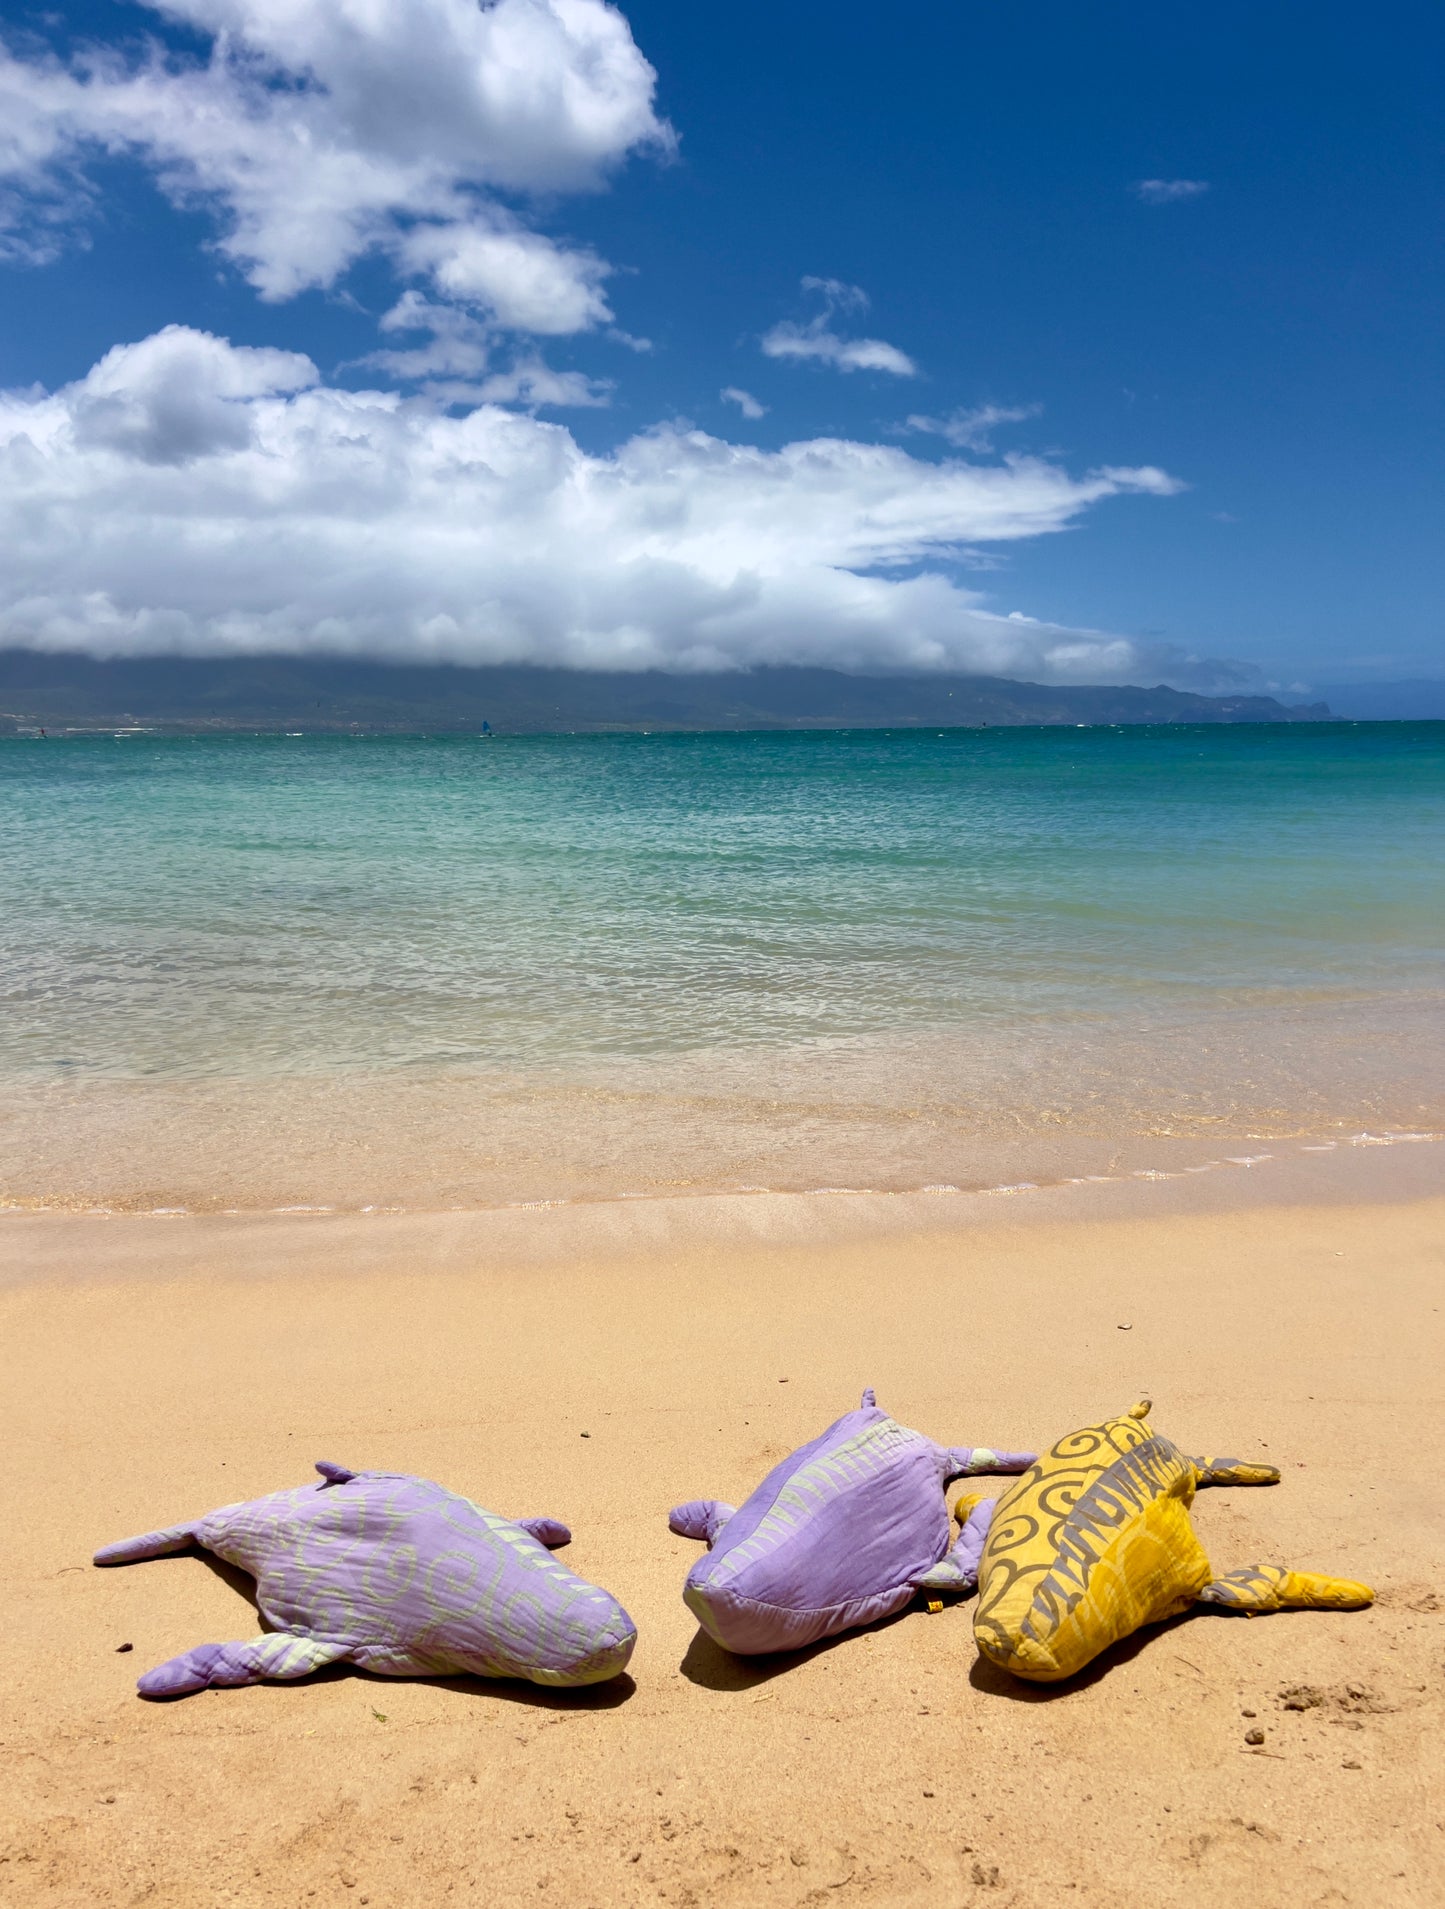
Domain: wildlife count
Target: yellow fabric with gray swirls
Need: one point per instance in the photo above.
(1095, 1540)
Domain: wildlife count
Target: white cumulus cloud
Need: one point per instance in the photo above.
(819, 341)
(533, 384)
(178, 395)
(191, 496)
(456, 362)
(972, 430)
(320, 130)
(1168, 191)
(521, 278)
(744, 400)
(458, 346)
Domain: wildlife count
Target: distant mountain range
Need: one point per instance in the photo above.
(74, 692)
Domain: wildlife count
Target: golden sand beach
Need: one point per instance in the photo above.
(601, 1364)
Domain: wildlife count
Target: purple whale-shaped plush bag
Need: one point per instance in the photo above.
(844, 1531)
(399, 1576)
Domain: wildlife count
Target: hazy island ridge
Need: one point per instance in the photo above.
(256, 693)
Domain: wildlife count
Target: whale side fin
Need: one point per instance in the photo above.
(700, 1518)
(1234, 1471)
(964, 1461)
(548, 1531)
(1258, 1588)
(151, 1544)
(958, 1570)
(278, 1654)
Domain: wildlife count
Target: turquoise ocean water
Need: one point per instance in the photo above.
(236, 970)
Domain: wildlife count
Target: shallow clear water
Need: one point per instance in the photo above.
(1048, 928)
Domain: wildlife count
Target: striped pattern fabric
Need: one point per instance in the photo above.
(846, 1530)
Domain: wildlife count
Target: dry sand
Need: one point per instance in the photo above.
(154, 1369)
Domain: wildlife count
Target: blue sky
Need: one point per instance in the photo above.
(1225, 384)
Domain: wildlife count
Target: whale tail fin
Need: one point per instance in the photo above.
(151, 1544)
(1234, 1471)
(1258, 1588)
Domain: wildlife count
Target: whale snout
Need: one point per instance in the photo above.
(601, 1649)
(587, 1638)
(609, 1654)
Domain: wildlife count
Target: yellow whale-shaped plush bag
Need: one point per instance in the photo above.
(1095, 1540)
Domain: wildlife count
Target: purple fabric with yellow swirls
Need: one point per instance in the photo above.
(846, 1530)
(398, 1576)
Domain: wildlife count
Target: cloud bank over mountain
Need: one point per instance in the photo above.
(192, 495)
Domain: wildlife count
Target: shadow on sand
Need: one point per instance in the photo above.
(987, 1677)
(711, 1667)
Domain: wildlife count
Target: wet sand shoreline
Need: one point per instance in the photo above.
(962, 1109)
(90, 1244)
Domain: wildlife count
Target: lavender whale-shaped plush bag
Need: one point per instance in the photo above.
(396, 1575)
(844, 1531)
